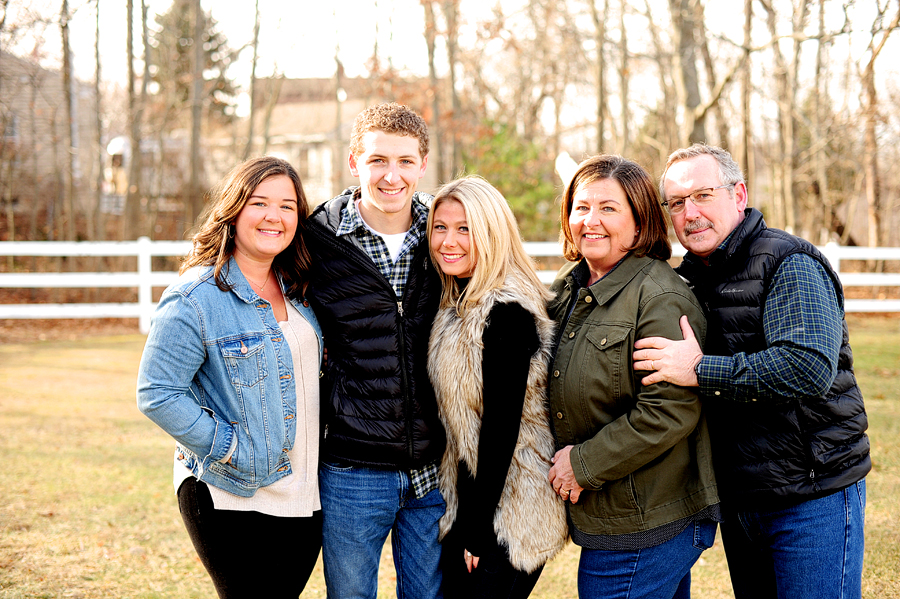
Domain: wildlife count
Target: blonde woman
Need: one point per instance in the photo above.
(488, 357)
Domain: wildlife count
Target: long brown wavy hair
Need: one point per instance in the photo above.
(214, 242)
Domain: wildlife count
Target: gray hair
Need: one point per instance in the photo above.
(729, 171)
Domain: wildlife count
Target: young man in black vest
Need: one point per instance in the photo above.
(786, 415)
(375, 293)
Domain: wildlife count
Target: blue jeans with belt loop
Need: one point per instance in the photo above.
(360, 506)
(812, 550)
(659, 572)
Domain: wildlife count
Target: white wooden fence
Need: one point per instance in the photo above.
(145, 278)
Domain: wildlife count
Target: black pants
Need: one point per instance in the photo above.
(494, 578)
(249, 554)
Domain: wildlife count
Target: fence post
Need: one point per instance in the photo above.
(145, 287)
(831, 250)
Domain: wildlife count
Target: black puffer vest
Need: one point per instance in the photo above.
(764, 452)
(378, 406)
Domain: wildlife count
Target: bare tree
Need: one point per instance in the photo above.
(786, 76)
(68, 138)
(248, 149)
(624, 75)
(599, 17)
(451, 14)
(434, 89)
(132, 212)
(746, 155)
(711, 80)
(687, 79)
(664, 134)
(195, 190)
(97, 224)
(870, 102)
(337, 156)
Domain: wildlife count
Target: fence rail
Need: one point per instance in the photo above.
(145, 278)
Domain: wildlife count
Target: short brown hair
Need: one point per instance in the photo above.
(392, 118)
(214, 242)
(643, 198)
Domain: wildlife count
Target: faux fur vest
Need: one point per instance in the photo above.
(530, 519)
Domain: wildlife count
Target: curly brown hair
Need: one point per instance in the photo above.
(652, 239)
(392, 118)
(214, 242)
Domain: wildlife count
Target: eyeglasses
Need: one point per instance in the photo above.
(701, 197)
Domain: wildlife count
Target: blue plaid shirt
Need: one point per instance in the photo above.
(802, 323)
(425, 479)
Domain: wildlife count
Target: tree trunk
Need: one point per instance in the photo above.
(718, 113)
(437, 161)
(623, 78)
(132, 212)
(195, 188)
(99, 218)
(451, 13)
(798, 19)
(273, 91)
(69, 138)
(782, 162)
(687, 80)
(248, 149)
(600, 41)
(338, 160)
(821, 208)
(746, 156)
(8, 178)
(870, 149)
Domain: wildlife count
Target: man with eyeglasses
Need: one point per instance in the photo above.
(787, 419)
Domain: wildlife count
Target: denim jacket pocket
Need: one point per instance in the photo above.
(245, 358)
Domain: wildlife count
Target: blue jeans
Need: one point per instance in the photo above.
(659, 572)
(360, 506)
(812, 550)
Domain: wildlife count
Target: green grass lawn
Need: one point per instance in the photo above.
(87, 507)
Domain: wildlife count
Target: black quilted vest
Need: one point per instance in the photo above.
(378, 406)
(765, 452)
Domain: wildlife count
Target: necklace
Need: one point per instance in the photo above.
(261, 287)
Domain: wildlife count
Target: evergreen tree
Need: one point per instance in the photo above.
(171, 52)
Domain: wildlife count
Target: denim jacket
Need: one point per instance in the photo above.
(216, 368)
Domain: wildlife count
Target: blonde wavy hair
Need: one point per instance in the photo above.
(495, 244)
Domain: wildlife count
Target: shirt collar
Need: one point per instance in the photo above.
(352, 221)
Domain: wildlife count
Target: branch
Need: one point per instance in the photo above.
(887, 33)
(701, 110)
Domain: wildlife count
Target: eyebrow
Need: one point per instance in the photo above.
(405, 156)
(263, 197)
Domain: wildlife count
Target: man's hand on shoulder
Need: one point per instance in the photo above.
(668, 360)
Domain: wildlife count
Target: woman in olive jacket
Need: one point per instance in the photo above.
(634, 461)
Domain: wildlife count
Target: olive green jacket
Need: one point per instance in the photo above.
(642, 453)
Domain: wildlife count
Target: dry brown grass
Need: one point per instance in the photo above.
(87, 507)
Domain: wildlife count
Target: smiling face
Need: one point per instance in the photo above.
(389, 169)
(702, 229)
(449, 239)
(267, 223)
(602, 225)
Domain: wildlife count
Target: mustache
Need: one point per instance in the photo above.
(697, 225)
